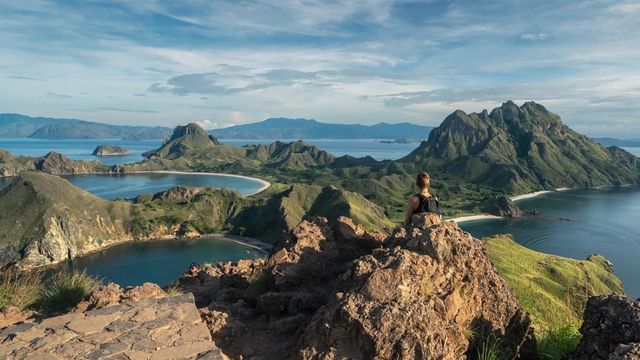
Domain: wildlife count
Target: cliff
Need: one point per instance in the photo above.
(44, 219)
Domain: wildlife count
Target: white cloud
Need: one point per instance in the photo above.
(535, 37)
(207, 124)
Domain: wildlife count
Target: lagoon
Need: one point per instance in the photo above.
(159, 261)
(577, 223)
(112, 186)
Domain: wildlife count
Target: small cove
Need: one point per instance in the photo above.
(159, 261)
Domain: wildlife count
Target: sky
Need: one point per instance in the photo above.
(222, 63)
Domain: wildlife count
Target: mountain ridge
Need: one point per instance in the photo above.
(18, 125)
(286, 128)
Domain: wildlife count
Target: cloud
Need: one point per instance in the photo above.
(535, 37)
(207, 124)
(19, 77)
(52, 94)
(116, 109)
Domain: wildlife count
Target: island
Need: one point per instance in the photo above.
(110, 150)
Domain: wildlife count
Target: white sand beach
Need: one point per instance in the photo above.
(529, 195)
(474, 217)
(265, 184)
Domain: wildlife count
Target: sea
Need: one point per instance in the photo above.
(573, 223)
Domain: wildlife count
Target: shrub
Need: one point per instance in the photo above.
(173, 290)
(490, 350)
(21, 290)
(259, 284)
(556, 342)
(65, 290)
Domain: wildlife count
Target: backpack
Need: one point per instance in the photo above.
(428, 204)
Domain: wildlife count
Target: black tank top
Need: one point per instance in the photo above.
(427, 204)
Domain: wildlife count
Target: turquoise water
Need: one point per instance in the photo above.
(79, 149)
(130, 185)
(160, 261)
(578, 223)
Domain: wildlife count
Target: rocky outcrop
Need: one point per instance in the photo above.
(12, 315)
(337, 291)
(110, 150)
(58, 164)
(44, 220)
(166, 328)
(502, 206)
(611, 329)
(177, 193)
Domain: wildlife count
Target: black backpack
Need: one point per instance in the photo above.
(428, 204)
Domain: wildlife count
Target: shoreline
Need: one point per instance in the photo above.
(474, 217)
(265, 183)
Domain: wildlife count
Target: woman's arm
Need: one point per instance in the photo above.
(412, 203)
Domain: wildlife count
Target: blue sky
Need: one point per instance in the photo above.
(229, 62)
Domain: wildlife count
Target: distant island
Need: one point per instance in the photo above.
(284, 128)
(605, 141)
(17, 125)
(110, 150)
(400, 141)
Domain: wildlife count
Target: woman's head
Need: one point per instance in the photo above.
(423, 181)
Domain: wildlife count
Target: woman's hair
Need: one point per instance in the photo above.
(423, 181)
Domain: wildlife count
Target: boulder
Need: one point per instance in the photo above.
(421, 298)
(11, 315)
(611, 329)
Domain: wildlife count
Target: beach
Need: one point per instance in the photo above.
(265, 184)
(474, 217)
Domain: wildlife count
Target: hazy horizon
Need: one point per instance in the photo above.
(225, 63)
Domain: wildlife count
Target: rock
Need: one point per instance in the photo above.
(187, 231)
(611, 329)
(170, 328)
(419, 302)
(11, 315)
(328, 293)
(177, 194)
(110, 150)
(117, 169)
(104, 295)
(503, 206)
(144, 292)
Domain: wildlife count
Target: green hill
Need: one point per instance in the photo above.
(44, 219)
(520, 149)
(553, 289)
(184, 139)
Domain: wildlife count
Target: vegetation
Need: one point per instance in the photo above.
(174, 290)
(20, 289)
(259, 284)
(555, 343)
(553, 289)
(64, 290)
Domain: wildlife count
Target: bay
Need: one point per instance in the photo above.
(160, 261)
(578, 223)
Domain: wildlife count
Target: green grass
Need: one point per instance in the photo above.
(20, 289)
(555, 343)
(552, 289)
(490, 350)
(65, 290)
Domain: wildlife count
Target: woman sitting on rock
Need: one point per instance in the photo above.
(423, 201)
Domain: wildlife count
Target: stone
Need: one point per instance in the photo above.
(11, 315)
(610, 330)
(175, 334)
(146, 291)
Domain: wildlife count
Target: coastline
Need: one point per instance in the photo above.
(474, 217)
(265, 183)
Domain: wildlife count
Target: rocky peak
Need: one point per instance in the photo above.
(183, 139)
(336, 291)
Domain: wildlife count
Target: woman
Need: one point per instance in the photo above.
(423, 201)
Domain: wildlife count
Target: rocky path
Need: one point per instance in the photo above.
(167, 328)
